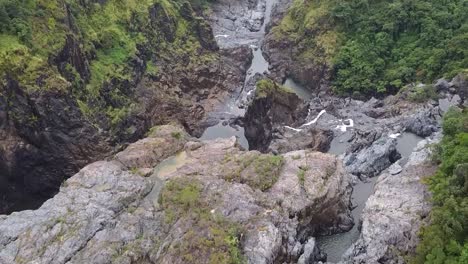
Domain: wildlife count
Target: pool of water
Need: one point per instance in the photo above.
(226, 131)
(336, 245)
(163, 169)
(405, 145)
(339, 144)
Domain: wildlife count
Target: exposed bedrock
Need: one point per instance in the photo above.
(395, 212)
(272, 107)
(110, 212)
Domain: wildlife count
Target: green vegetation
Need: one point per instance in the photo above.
(445, 240)
(259, 171)
(211, 238)
(420, 94)
(377, 47)
(90, 49)
(267, 87)
(176, 135)
(301, 176)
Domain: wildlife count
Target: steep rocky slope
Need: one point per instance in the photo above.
(94, 76)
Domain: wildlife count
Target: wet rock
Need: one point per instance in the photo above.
(44, 137)
(369, 162)
(205, 34)
(73, 55)
(395, 212)
(423, 123)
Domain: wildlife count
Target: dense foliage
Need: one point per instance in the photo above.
(379, 46)
(445, 240)
(94, 49)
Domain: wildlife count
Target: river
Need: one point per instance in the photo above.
(232, 108)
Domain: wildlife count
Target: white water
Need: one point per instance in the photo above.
(309, 123)
(343, 127)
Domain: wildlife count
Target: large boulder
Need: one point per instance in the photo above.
(370, 161)
(424, 122)
(273, 106)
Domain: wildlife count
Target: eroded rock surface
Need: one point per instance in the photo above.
(110, 213)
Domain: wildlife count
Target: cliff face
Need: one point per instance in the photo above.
(87, 77)
(273, 106)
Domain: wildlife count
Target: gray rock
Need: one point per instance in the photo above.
(107, 213)
(286, 140)
(371, 161)
(395, 168)
(311, 253)
(423, 123)
(442, 85)
(395, 212)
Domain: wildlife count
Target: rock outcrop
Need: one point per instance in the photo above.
(372, 160)
(273, 106)
(286, 139)
(395, 212)
(139, 207)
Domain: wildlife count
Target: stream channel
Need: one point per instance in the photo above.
(335, 245)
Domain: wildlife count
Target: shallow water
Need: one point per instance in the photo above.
(405, 145)
(225, 131)
(163, 169)
(259, 65)
(170, 165)
(339, 144)
(336, 245)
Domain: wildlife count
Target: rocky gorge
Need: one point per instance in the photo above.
(232, 161)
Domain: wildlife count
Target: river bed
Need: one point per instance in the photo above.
(232, 106)
(336, 245)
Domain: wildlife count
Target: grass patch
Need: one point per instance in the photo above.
(259, 171)
(301, 177)
(211, 237)
(421, 94)
(177, 135)
(268, 87)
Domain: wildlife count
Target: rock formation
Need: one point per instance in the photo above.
(111, 212)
